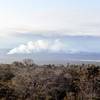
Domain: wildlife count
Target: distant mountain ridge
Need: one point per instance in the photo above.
(44, 57)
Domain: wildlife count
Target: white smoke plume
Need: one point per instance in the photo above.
(39, 46)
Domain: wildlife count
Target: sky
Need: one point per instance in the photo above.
(50, 25)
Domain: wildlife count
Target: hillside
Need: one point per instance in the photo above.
(28, 81)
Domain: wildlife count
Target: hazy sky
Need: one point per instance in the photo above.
(70, 16)
(48, 18)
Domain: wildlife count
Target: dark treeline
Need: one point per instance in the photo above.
(28, 81)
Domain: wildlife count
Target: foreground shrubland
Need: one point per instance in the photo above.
(28, 81)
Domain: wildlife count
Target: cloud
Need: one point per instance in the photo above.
(39, 46)
(64, 22)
